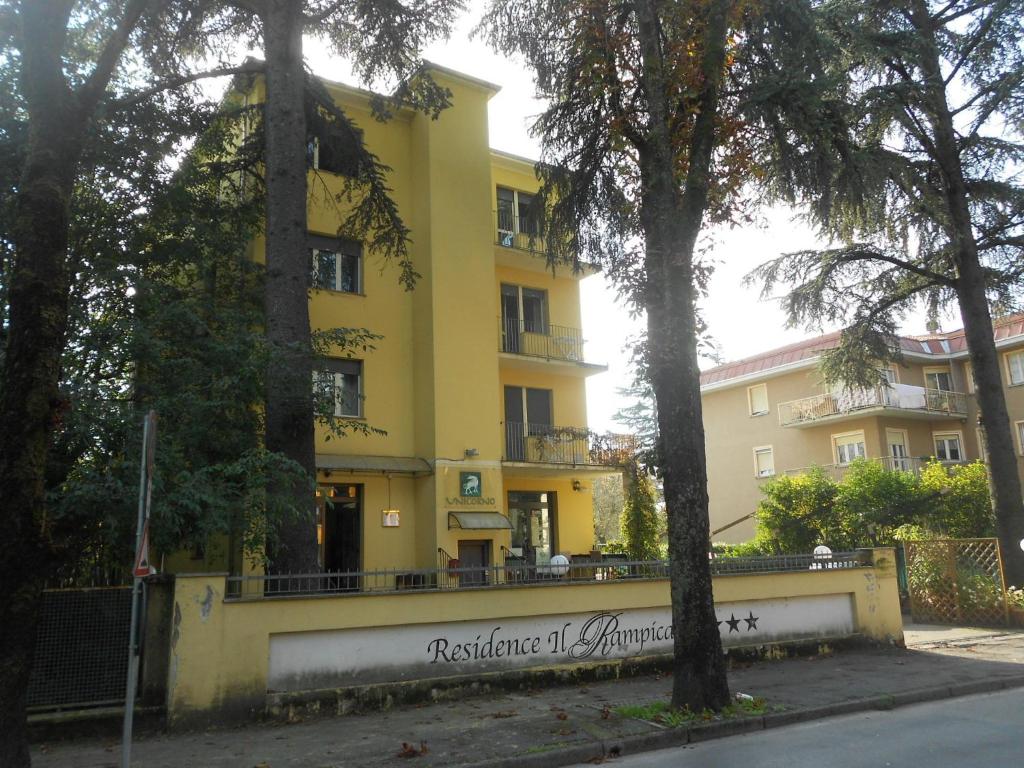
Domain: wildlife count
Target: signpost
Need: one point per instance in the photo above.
(141, 569)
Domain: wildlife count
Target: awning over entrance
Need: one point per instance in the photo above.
(478, 521)
(409, 465)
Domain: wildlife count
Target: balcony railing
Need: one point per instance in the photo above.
(899, 396)
(579, 570)
(519, 232)
(890, 463)
(547, 444)
(552, 342)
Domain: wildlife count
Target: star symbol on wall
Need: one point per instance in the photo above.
(733, 622)
(751, 621)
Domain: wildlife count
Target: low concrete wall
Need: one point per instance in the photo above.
(229, 657)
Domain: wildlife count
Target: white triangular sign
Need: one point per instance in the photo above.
(142, 567)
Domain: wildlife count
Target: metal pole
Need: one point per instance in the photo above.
(145, 492)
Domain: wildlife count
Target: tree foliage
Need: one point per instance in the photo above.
(657, 112)
(640, 524)
(872, 506)
(926, 208)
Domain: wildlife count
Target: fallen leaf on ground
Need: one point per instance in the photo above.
(561, 716)
(410, 750)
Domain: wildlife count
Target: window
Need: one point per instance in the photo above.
(1020, 436)
(515, 216)
(848, 447)
(764, 461)
(1015, 367)
(336, 265)
(889, 374)
(757, 399)
(329, 152)
(947, 446)
(340, 382)
(938, 378)
(969, 377)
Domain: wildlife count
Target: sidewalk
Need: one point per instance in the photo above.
(566, 725)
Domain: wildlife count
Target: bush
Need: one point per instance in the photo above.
(872, 506)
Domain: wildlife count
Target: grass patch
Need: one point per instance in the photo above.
(664, 714)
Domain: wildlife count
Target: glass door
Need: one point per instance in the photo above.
(510, 327)
(532, 515)
(897, 442)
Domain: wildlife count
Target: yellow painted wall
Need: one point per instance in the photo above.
(434, 382)
(220, 649)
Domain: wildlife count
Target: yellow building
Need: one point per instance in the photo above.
(772, 414)
(478, 381)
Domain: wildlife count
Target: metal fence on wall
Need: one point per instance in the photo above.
(956, 581)
(81, 657)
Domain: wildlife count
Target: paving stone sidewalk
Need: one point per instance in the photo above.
(565, 725)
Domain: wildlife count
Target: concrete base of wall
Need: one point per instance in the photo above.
(303, 705)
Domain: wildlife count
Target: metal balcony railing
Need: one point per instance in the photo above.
(891, 463)
(547, 444)
(898, 396)
(519, 232)
(552, 342)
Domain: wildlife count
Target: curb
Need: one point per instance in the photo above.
(663, 739)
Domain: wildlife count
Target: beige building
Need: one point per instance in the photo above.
(773, 414)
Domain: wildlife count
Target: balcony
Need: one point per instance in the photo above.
(518, 232)
(907, 400)
(889, 463)
(535, 346)
(566, 446)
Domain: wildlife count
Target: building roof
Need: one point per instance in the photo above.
(941, 346)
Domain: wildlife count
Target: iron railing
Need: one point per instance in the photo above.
(889, 463)
(552, 342)
(900, 396)
(514, 231)
(514, 572)
(548, 444)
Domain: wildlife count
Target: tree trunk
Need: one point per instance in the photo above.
(289, 387)
(30, 402)
(1004, 480)
(671, 222)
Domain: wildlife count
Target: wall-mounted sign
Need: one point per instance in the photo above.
(470, 484)
(389, 518)
(469, 501)
(345, 657)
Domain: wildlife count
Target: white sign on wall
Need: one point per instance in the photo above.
(338, 658)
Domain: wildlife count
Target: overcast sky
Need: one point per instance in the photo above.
(740, 323)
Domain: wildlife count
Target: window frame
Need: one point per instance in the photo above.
(947, 433)
(334, 366)
(750, 400)
(1019, 429)
(763, 449)
(340, 247)
(517, 228)
(938, 369)
(1009, 367)
(835, 446)
(894, 370)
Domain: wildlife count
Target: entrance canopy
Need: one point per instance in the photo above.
(478, 521)
(386, 464)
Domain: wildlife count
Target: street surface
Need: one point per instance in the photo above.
(985, 730)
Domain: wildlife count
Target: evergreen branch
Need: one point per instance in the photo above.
(100, 76)
(170, 84)
(869, 254)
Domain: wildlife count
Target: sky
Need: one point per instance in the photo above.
(741, 324)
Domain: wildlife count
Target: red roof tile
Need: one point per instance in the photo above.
(931, 344)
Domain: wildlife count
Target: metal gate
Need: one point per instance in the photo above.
(81, 648)
(956, 581)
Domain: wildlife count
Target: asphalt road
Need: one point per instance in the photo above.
(985, 730)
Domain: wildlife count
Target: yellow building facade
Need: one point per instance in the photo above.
(478, 379)
(772, 414)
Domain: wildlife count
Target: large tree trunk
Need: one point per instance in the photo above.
(30, 402)
(671, 221)
(1004, 481)
(289, 388)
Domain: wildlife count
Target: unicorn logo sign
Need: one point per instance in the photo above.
(469, 484)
